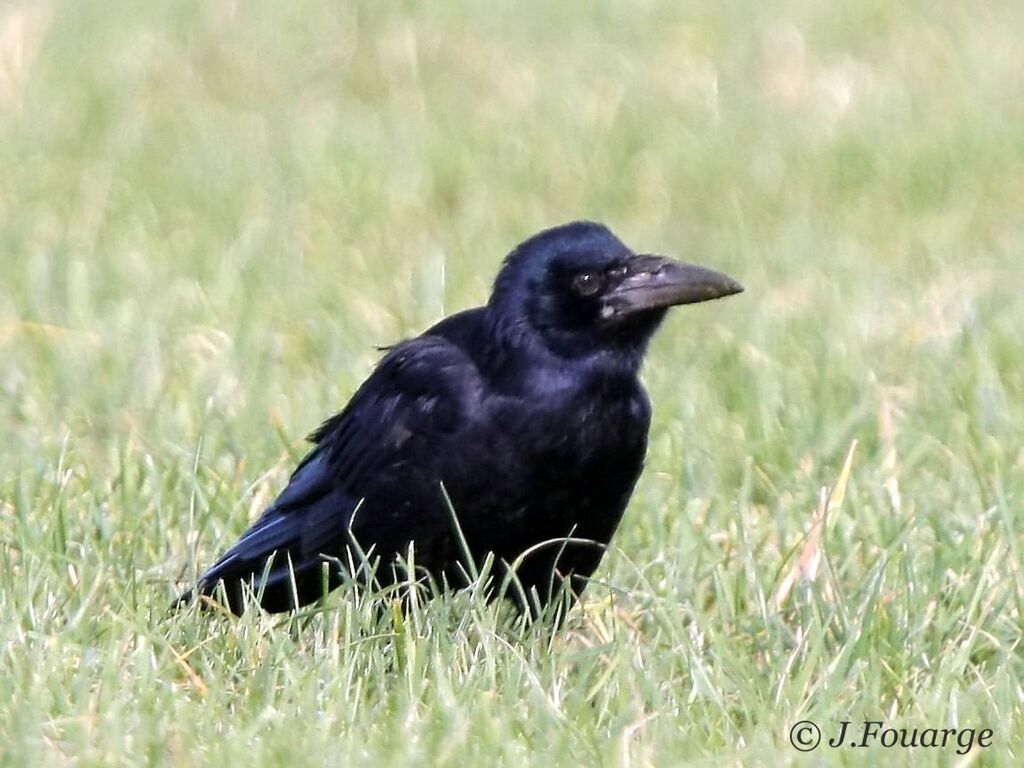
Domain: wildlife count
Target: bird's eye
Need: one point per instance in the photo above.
(586, 283)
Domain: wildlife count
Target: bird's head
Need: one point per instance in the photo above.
(581, 292)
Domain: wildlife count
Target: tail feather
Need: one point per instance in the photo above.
(268, 561)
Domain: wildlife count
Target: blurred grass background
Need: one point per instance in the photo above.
(210, 213)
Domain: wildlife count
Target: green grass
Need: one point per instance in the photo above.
(211, 212)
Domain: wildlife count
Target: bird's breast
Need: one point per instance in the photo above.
(580, 439)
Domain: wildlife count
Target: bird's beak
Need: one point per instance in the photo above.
(654, 282)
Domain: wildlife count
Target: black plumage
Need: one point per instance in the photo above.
(528, 411)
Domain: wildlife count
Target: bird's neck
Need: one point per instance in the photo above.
(516, 341)
(533, 370)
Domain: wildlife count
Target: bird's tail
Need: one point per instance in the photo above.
(269, 564)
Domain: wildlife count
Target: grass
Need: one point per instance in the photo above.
(210, 213)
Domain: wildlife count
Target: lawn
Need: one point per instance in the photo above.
(211, 213)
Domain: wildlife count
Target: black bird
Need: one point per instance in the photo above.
(523, 420)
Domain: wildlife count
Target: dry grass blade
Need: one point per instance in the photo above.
(805, 569)
(890, 459)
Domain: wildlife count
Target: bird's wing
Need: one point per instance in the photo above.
(419, 397)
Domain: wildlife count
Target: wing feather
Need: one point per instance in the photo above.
(419, 397)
